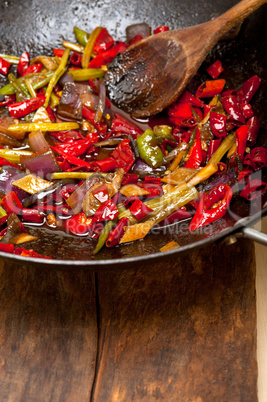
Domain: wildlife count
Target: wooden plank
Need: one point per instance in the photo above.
(48, 334)
(180, 330)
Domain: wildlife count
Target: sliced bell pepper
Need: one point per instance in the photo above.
(103, 42)
(123, 155)
(208, 89)
(4, 66)
(7, 247)
(108, 55)
(107, 211)
(215, 69)
(162, 28)
(35, 68)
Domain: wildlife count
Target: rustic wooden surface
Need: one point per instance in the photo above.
(180, 330)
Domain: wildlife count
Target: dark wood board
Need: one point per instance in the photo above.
(182, 330)
(179, 330)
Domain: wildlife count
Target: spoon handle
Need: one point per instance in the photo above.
(236, 15)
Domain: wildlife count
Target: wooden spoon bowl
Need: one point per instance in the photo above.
(152, 73)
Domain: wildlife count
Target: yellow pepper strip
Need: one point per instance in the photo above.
(73, 46)
(89, 47)
(222, 149)
(86, 73)
(25, 127)
(72, 175)
(13, 155)
(57, 74)
(30, 88)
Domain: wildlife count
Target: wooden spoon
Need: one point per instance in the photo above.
(152, 73)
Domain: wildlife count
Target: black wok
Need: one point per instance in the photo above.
(38, 26)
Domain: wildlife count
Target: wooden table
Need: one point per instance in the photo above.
(179, 330)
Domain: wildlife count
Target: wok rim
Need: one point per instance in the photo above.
(95, 265)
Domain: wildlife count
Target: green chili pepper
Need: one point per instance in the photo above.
(21, 92)
(42, 79)
(86, 73)
(148, 149)
(57, 74)
(163, 131)
(11, 59)
(104, 235)
(81, 36)
(89, 47)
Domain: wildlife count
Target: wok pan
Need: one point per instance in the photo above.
(38, 26)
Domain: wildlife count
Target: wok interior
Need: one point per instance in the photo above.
(39, 26)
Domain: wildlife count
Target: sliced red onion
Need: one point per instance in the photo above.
(70, 105)
(75, 200)
(38, 142)
(7, 175)
(134, 30)
(41, 163)
(101, 102)
(7, 140)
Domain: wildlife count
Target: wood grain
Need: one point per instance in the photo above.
(179, 330)
(183, 330)
(48, 335)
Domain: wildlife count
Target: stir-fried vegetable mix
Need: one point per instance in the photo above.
(70, 160)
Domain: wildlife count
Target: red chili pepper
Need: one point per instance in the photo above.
(247, 161)
(213, 146)
(5, 162)
(108, 55)
(253, 128)
(35, 68)
(7, 247)
(32, 215)
(103, 42)
(195, 154)
(241, 140)
(248, 89)
(218, 124)
(258, 158)
(215, 69)
(232, 107)
(181, 136)
(29, 253)
(243, 175)
(178, 215)
(3, 220)
(136, 39)
(58, 52)
(101, 193)
(24, 62)
(62, 209)
(163, 28)
(207, 109)
(66, 136)
(107, 211)
(208, 89)
(154, 180)
(155, 189)
(247, 110)
(221, 168)
(23, 108)
(129, 179)
(89, 114)
(96, 229)
(206, 213)
(78, 224)
(180, 110)
(120, 125)
(50, 113)
(75, 148)
(123, 155)
(8, 100)
(254, 189)
(77, 162)
(104, 165)
(139, 210)
(116, 234)
(76, 59)
(11, 203)
(4, 66)
(67, 190)
(189, 98)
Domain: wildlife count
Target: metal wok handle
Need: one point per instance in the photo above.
(254, 234)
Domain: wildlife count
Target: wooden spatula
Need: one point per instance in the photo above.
(152, 73)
